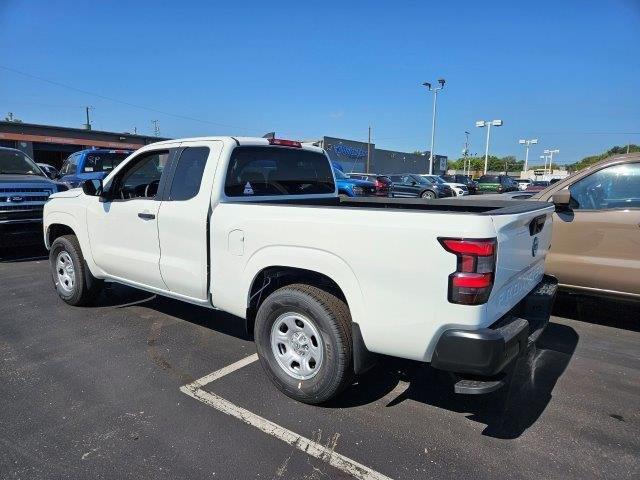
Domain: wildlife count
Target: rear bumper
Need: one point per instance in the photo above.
(488, 351)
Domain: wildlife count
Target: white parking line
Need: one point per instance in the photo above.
(324, 453)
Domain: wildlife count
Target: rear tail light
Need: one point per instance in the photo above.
(472, 281)
(284, 143)
(380, 185)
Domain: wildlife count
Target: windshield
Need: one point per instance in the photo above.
(17, 163)
(423, 180)
(340, 175)
(489, 179)
(436, 179)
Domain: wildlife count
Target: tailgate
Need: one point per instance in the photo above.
(523, 243)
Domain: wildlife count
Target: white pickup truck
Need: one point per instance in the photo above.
(256, 227)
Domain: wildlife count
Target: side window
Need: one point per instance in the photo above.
(188, 174)
(617, 186)
(141, 179)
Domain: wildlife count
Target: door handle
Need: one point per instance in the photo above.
(146, 216)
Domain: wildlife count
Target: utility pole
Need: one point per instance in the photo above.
(156, 128)
(435, 91)
(369, 151)
(87, 126)
(135, 130)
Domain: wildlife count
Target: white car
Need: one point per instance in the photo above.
(255, 227)
(459, 189)
(523, 183)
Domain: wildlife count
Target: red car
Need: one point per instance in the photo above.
(537, 186)
(383, 184)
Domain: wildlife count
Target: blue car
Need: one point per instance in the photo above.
(352, 187)
(90, 164)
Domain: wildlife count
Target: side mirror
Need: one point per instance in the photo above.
(91, 187)
(562, 198)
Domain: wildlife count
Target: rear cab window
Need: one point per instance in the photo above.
(256, 171)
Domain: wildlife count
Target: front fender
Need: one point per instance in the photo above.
(66, 219)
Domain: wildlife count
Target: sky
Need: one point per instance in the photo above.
(566, 72)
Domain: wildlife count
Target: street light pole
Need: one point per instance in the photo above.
(435, 91)
(550, 154)
(486, 149)
(533, 141)
(488, 124)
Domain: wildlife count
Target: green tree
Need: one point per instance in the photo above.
(590, 160)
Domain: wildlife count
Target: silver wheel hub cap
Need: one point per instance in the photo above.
(65, 272)
(297, 345)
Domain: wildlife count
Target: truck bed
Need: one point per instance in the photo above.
(478, 206)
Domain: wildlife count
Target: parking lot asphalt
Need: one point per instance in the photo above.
(95, 393)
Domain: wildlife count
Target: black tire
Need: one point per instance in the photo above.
(85, 287)
(428, 194)
(332, 318)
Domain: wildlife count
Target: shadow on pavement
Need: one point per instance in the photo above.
(507, 413)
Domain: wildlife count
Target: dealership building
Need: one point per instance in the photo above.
(352, 157)
(52, 145)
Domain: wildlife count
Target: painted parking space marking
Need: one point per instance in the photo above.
(315, 449)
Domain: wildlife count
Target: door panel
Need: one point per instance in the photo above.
(183, 219)
(595, 243)
(597, 249)
(123, 231)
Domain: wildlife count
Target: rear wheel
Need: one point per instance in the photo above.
(428, 194)
(71, 277)
(303, 337)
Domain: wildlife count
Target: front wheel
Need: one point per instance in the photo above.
(303, 337)
(71, 277)
(428, 194)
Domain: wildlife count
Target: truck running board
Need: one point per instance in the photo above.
(477, 387)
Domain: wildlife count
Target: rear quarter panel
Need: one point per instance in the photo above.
(389, 264)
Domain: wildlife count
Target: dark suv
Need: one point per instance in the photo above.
(414, 185)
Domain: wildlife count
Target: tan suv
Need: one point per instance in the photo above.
(595, 245)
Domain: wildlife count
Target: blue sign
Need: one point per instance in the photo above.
(351, 152)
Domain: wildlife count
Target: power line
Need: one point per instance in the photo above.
(122, 102)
